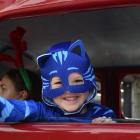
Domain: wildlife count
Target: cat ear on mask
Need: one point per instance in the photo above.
(78, 48)
(42, 59)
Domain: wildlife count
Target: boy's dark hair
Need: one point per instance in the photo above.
(35, 92)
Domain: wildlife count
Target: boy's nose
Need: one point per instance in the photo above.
(67, 92)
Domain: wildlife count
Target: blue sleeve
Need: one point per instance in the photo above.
(19, 110)
(100, 111)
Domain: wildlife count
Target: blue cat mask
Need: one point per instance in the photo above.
(61, 60)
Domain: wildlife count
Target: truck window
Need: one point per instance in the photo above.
(130, 95)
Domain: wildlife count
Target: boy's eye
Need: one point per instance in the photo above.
(77, 82)
(76, 79)
(3, 87)
(56, 82)
(59, 82)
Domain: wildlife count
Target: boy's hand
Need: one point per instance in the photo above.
(103, 119)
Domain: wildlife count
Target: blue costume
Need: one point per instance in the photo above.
(60, 60)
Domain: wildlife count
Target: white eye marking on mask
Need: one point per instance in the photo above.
(53, 72)
(72, 68)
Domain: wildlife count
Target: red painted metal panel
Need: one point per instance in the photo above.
(21, 8)
(5, 3)
(64, 131)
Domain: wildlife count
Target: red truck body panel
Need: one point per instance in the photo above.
(28, 8)
(49, 131)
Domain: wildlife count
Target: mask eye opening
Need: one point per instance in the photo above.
(75, 78)
(56, 82)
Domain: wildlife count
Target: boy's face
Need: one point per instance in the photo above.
(69, 102)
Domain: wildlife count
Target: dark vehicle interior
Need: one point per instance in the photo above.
(111, 37)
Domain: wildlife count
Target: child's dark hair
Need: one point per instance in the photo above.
(35, 91)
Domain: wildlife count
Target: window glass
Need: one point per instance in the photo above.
(130, 96)
(97, 98)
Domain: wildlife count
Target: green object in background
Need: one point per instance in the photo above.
(25, 78)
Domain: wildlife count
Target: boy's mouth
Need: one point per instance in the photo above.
(71, 98)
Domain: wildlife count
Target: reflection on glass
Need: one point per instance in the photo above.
(130, 96)
(97, 98)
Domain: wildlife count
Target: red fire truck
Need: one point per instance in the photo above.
(110, 30)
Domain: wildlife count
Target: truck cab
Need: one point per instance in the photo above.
(110, 31)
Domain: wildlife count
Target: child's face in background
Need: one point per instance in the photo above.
(69, 102)
(9, 91)
(7, 88)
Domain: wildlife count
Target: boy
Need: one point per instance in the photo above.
(68, 87)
